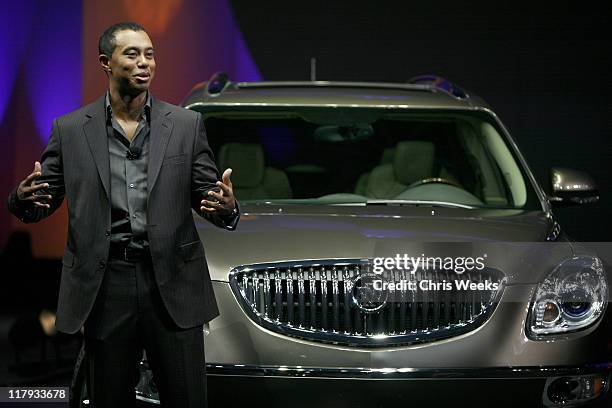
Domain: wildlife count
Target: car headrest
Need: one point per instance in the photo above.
(413, 161)
(247, 162)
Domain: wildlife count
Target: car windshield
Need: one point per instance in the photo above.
(358, 156)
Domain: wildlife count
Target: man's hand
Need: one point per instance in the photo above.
(223, 203)
(27, 189)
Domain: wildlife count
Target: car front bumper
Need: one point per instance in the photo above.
(282, 386)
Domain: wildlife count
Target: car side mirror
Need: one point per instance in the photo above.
(571, 187)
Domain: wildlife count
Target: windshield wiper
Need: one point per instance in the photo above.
(419, 203)
(414, 203)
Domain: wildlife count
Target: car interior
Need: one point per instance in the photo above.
(284, 156)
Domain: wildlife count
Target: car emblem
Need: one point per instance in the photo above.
(365, 296)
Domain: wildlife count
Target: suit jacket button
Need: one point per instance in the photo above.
(102, 264)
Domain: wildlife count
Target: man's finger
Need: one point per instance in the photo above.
(37, 204)
(35, 187)
(218, 196)
(211, 204)
(225, 187)
(40, 198)
(208, 210)
(226, 176)
(35, 173)
(31, 177)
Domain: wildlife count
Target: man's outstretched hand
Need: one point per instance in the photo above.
(223, 202)
(27, 190)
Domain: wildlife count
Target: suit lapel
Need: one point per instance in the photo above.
(161, 129)
(95, 132)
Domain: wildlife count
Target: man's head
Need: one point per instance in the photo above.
(127, 57)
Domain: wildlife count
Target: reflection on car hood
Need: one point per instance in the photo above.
(271, 233)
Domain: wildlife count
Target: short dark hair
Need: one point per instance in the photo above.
(107, 44)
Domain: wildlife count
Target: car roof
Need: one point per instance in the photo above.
(328, 93)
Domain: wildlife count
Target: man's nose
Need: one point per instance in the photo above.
(142, 61)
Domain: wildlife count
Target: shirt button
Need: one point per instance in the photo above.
(107, 233)
(102, 264)
(131, 185)
(134, 216)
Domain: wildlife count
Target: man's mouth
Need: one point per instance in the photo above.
(143, 76)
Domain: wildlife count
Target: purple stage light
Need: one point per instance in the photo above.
(245, 68)
(53, 62)
(15, 22)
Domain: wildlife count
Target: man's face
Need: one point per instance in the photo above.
(132, 64)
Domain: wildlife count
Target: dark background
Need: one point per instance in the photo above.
(544, 70)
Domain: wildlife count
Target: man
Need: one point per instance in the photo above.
(134, 273)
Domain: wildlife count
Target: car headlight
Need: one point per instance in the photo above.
(571, 298)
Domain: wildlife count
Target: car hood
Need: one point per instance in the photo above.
(513, 241)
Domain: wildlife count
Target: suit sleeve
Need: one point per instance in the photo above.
(52, 172)
(204, 175)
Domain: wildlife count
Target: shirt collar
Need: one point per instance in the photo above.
(109, 108)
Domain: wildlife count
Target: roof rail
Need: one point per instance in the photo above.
(440, 83)
(217, 83)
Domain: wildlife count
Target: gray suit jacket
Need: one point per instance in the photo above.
(180, 172)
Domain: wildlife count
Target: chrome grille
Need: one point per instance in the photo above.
(325, 300)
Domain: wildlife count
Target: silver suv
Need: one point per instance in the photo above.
(394, 248)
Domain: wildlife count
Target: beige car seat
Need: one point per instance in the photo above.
(402, 165)
(362, 182)
(251, 178)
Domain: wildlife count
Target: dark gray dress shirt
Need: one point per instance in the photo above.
(128, 173)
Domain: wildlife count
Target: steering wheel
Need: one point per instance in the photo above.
(439, 180)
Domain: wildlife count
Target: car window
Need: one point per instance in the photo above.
(358, 156)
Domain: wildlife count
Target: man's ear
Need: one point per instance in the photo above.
(105, 63)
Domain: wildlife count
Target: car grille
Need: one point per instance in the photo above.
(332, 301)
